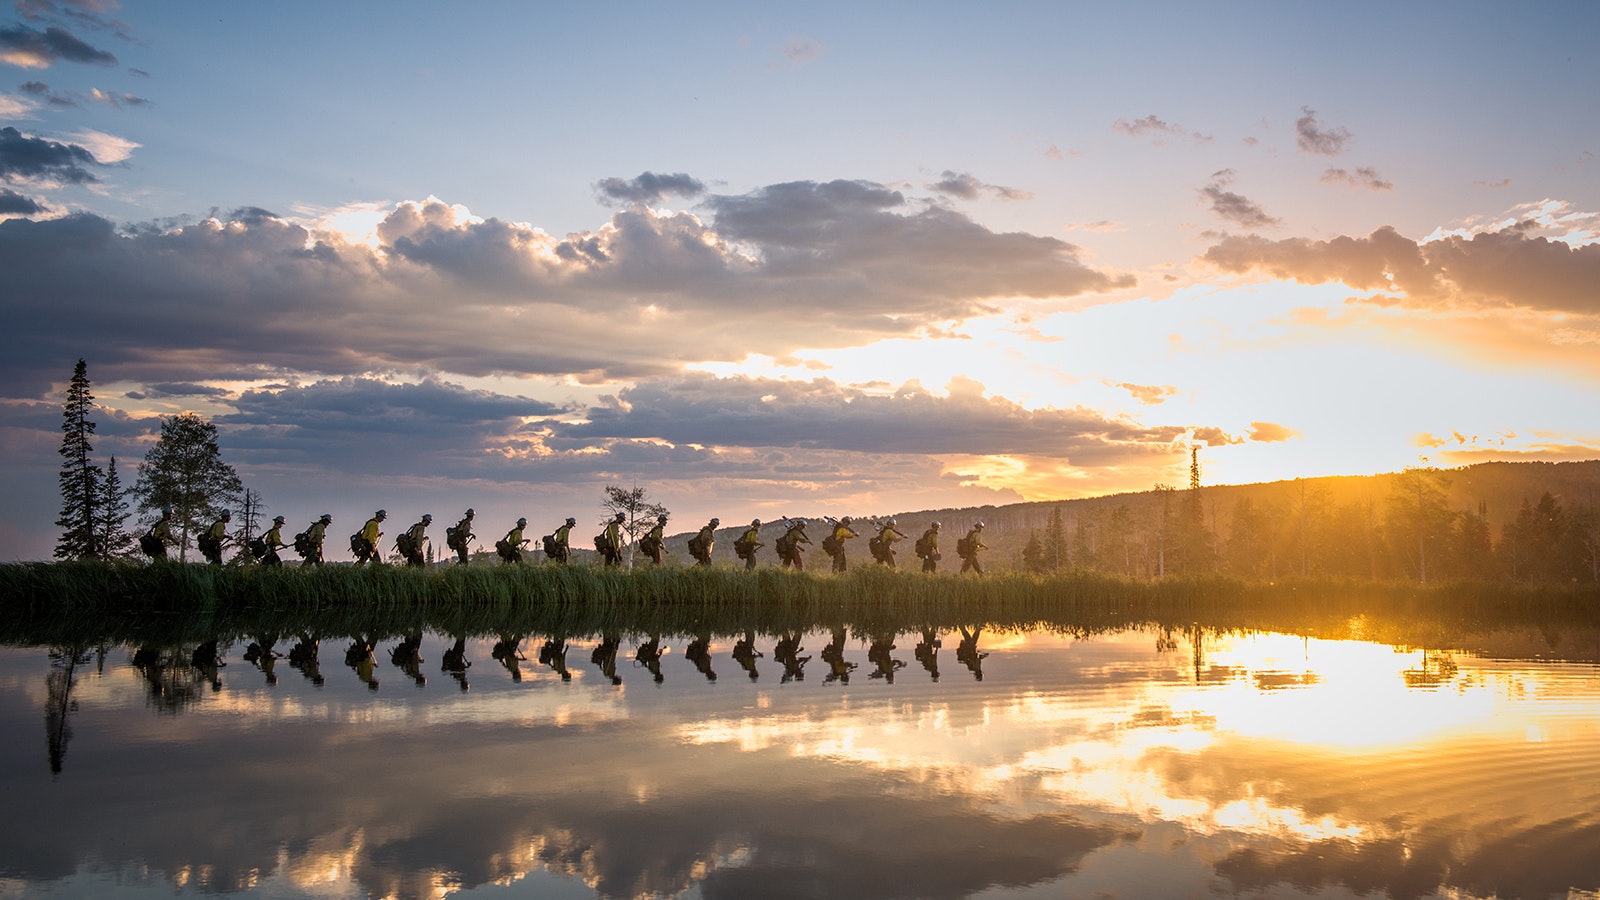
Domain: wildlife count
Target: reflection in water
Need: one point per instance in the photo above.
(1143, 763)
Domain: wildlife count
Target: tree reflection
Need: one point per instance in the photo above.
(59, 703)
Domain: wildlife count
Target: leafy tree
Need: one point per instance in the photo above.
(1420, 520)
(184, 470)
(112, 517)
(80, 476)
(640, 513)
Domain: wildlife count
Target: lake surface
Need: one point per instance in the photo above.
(1137, 763)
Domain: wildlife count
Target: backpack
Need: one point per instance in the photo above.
(697, 547)
(150, 545)
(602, 546)
(922, 546)
(832, 545)
(552, 549)
(358, 546)
(451, 538)
(785, 544)
(876, 547)
(504, 548)
(744, 549)
(650, 544)
(258, 547)
(302, 544)
(964, 547)
(208, 544)
(404, 545)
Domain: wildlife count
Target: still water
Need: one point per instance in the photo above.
(943, 763)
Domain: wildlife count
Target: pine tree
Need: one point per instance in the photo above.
(80, 477)
(1056, 552)
(1033, 555)
(111, 519)
(184, 470)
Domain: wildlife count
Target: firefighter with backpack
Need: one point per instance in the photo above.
(214, 537)
(411, 540)
(609, 542)
(833, 544)
(458, 536)
(308, 543)
(558, 545)
(364, 543)
(270, 543)
(701, 544)
(652, 544)
(928, 548)
(967, 548)
(788, 546)
(510, 547)
(153, 543)
(882, 543)
(748, 543)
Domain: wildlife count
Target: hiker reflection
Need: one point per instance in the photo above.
(833, 654)
(746, 654)
(168, 678)
(968, 653)
(259, 653)
(303, 657)
(407, 657)
(456, 663)
(699, 653)
(553, 653)
(207, 662)
(648, 655)
(927, 652)
(508, 651)
(605, 656)
(787, 653)
(359, 657)
(879, 654)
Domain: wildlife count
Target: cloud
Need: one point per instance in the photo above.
(1313, 138)
(1271, 432)
(37, 159)
(73, 99)
(761, 412)
(1493, 185)
(1158, 130)
(1363, 178)
(967, 187)
(778, 270)
(799, 50)
(1506, 267)
(14, 107)
(15, 204)
(649, 187)
(29, 48)
(107, 149)
(1150, 395)
(1233, 207)
(89, 13)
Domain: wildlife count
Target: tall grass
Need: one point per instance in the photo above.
(91, 601)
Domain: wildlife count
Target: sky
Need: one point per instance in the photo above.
(793, 259)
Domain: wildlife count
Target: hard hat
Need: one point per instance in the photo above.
(381, 514)
(427, 517)
(166, 510)
(278, 519)
(571, 521)
(715, 520)
(327, 518)
(801, 523)
(846, 520)
(661, 518)
(935, 523)
(891, 521)
(521, 522)
(756, 522)
(620, 516)
(979, 525)
(227, 514)
(471, 512)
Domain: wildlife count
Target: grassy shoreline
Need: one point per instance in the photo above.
(54, 602)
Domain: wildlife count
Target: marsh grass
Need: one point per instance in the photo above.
(86, 602)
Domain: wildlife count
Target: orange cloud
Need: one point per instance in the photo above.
(1271, 432)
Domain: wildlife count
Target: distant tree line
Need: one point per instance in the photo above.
(1408, 532)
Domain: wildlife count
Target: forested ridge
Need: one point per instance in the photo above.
(1512, 521)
